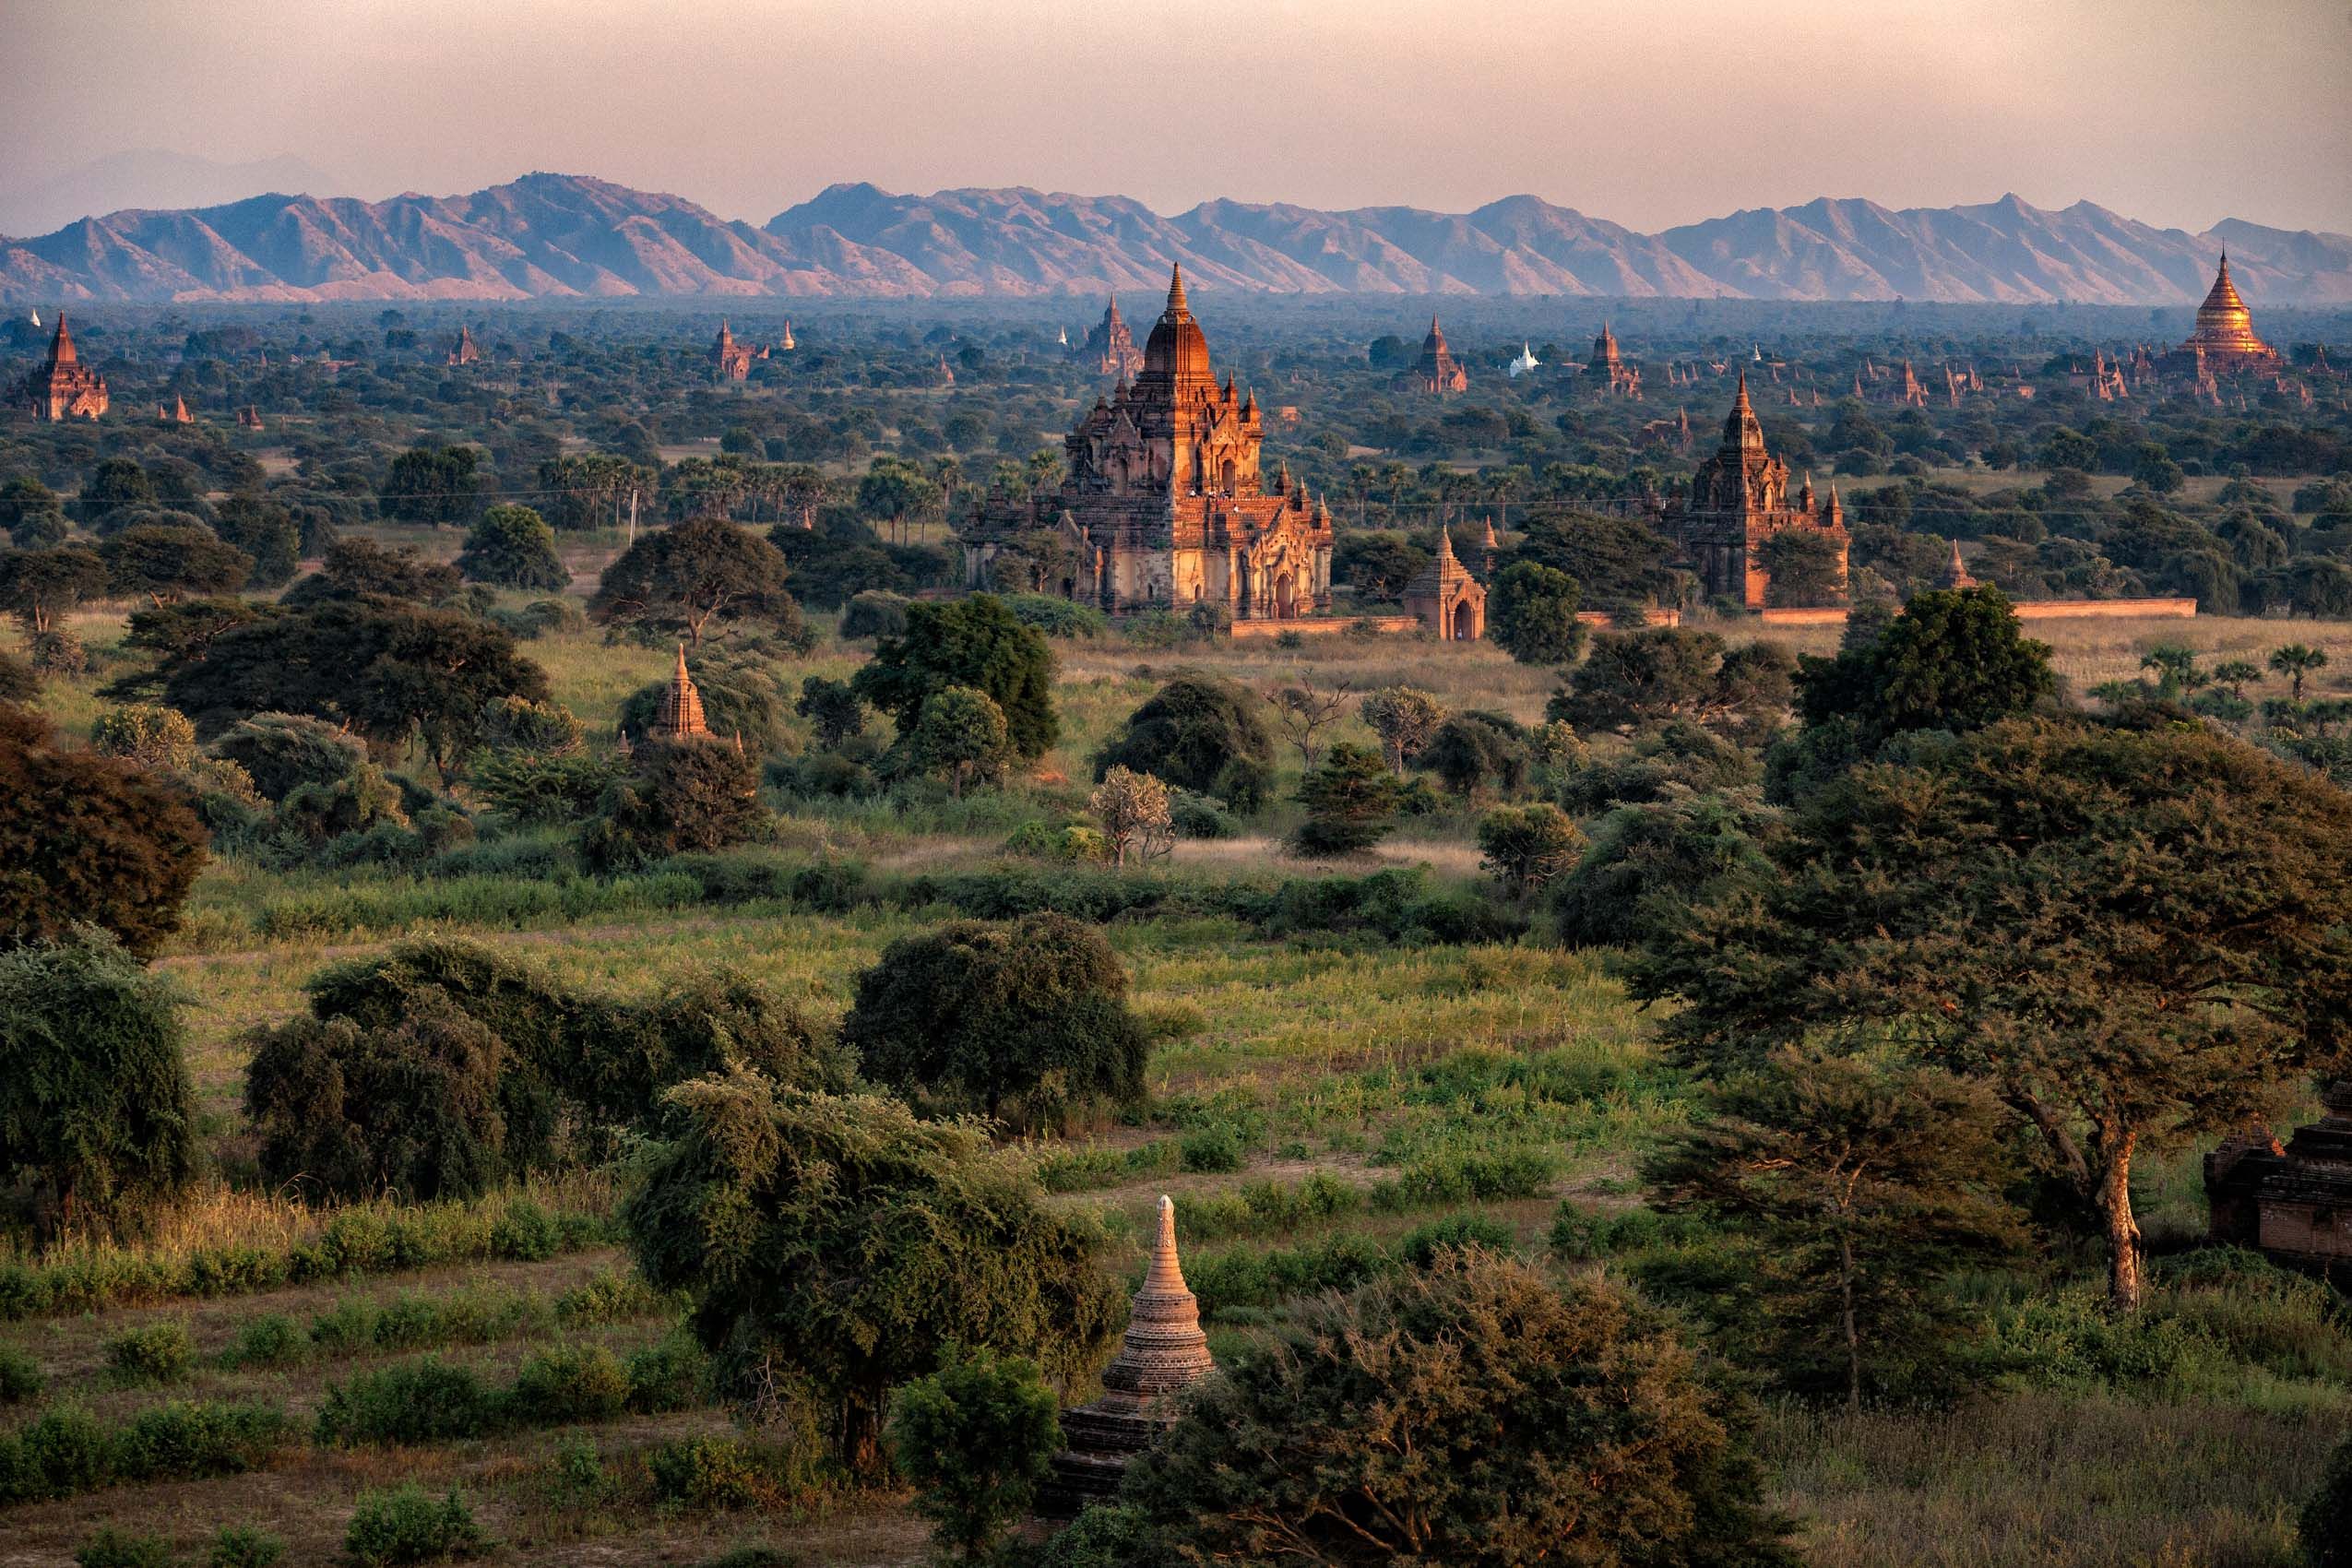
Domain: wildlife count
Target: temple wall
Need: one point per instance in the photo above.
(2028, 610)
(2305, 1231)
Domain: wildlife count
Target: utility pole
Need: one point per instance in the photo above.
(633, 516)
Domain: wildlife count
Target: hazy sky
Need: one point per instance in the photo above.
(1649, 112)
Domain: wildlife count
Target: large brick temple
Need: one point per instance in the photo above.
(63, 387)
(1162, 506)
(1739, 500)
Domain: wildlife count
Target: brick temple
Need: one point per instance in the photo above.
(2291, 1201)
(1739, 501)
(63, 387)
(1447, 599)
(1162, 506)
(1437, 371)
(1110, 348)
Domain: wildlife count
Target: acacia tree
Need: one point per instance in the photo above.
(1132, 810)
(1302, 713)
(837, 1244)
(2133, 936)
(39, 586)
(355, 569)
(512, 547)
(163, 562)
(1640, 679)
(1406, 718)
(698, 576)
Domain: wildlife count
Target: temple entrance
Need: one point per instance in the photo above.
(1069, 588)
(1465, 626)
(1286, 598)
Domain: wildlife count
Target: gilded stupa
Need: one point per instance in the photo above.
(2224, 342)
(1164, 1353)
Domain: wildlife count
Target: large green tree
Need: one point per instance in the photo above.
(38, 587)
(2134, 935)
(1472, 1414)
(512, 547)
(161, 562)
(1189, 731)
(839, 1245)
(1532, 615)
(355, 568)
(1621, 563)
(433, 484)
(1954, 659)
(975, 642)
(696, 578)
(1658, 674)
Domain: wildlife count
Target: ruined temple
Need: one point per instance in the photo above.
(1606, 361)
(174, 412)
(677, 714)
(1162, 505)
(465, 351)
(1163, 1354)
(2294, 1202)
(1436, 372)
(731, 361)
(249, 417)
(1954, 574)
(63, 387)
(1448, 599)
(2223, 343)
(1110, 348)
(1739, 500)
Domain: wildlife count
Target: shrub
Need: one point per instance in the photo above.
(1420, 1247)
(63, 1451)
(244, 1546)
(20, 1377)
(1525, 846)
(512, 547)
(667, 1375)
(426, 1400)
(708, 1472)
(1484, 1175)
(874, 613)
(608, 1296)
(111, 1548)
(2326, 1524)
(155, 1352)
(96, 1112)
(272, 1339)
(1188, 732)
(407, 1525)
(1213, 1148)
(1351, 803)
(1026, 1022)
(975, 1437)
(282, 751)
(190, 1439)
(694, 794)
(570, 1383)
(526, 1233)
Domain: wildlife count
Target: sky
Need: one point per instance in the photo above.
(1650, 112)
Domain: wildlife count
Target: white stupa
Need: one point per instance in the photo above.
(1525, 363)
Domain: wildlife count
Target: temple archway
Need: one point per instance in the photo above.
(1466, 622)
(1286, 598)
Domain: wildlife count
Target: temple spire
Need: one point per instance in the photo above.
(1176, 289)
(61, 344)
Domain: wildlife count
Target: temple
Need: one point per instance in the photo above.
(1436, 372)
(1739, 500)
(1607, 363)
(1110, 348)
(1164, 1353)
(63, 387)
(464, 351)
(2224, 343)
(2292, 1202)
(677, 715)
(731, 361)
(173, 413)
(1162, 506)
(1448, 599)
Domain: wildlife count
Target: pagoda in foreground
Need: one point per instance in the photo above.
(1163, 1354)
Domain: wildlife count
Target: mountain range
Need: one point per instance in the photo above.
(565, 236)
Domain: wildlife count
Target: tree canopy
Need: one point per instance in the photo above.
(1189, 731)
(975, 642)
(696, 578)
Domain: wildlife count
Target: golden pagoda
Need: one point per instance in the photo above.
(2223, 340)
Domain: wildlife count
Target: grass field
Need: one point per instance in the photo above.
(1358, 1061)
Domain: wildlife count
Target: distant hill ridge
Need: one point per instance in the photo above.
(567, 235)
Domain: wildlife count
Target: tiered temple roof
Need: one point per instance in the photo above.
(678, 715)
(1739, 500)
(1437, 371)
(2223, 342)
(1449, 600)
(1164, 1353)
(63, 387)
(1110, 348)
(464, 351)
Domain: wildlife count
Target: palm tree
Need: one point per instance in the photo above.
(2296, 661)
(2233, 675)
(2176, 667)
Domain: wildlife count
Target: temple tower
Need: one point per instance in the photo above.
(678, 716)
(63, 387)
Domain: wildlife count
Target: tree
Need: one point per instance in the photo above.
(266, 531)
(433, 484)
(98, 1116)
(1476, 750)
(1857, 1189)
(19, 683)
(1533, 614)
(1525, 846)
(86, 839)
(1648, 862)
(1344, 1436)
(974, 642)
(1025, 1022)
(1378, 566)
(165, 563)
(1302, 713)
(153, 738)
(2233, 675)
(961, 733)
(512, 547)
(1132, 809)
(394, 672)
(1640, 679)
(1351, 801)
(115, 484)
(893, 491)
(356, 568)
(38, 587)
(1188, 732)
(31, 514)
(975, 1437)
(698, 576)
(1619, 562)
(2297, 661)
(2134, 935)
(689, 794)
(835, 1242)
(1406, 718)
(1954, 660)
(833, 709)
(1805, 569)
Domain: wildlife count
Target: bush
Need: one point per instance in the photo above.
(157, 1352)
(667, 1375)
(2326, 1524)
(244, 1546)
(526, 1233)
(1026, 1022)
(20, 1377)
(1351, 803)
(874, 613)
(426, 1400)
(111, 1548)
(407, 1525)
(62, 1452)
(1189, 731)
(1213, 1148)
(570, 1383)
(1485, 1175)
(282, 751)
(1420, 1247)
(190, 1439)
(695, 794)
(975, 1437)
(708, 1472)
(1525, 846)
(272, 1339)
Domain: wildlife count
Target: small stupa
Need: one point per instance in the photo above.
(1164, 1352)
(678, 716)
